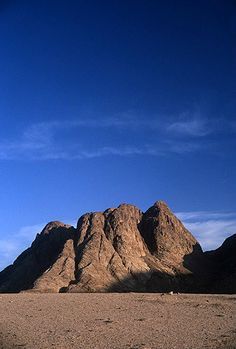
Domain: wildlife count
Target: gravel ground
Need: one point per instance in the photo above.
(117, 321)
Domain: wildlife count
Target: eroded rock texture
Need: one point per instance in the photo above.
(121, 249)
(39, 261)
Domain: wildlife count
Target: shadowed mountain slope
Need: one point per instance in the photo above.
(223, 261)
(48, 250)
(121, 249)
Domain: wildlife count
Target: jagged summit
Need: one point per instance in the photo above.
(120, 249)
(54, 225)
(161, 205)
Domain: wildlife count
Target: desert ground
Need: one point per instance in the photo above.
(117, 321)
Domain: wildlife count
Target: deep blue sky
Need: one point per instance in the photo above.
(103, 102)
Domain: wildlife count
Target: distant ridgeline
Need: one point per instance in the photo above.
(122, 250)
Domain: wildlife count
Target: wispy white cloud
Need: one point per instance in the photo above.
(205, 215)
(184, 147)
(13, 244)
(210, 228)
(28, 233)
(7, 249)
(78, 154)
(40, 141)
(127, 122)
(119, 151)
(195, 127)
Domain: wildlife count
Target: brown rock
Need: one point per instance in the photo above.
(36, 260)
(166, 237)
(109, 250)
(121, 249)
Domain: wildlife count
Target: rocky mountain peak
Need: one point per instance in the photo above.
(54, 225)
(165, 235)
(120, 249)
(161, 205)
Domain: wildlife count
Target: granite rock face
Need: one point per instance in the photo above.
(121, 249)
(38, 261)
(110, 251)
(166, 237)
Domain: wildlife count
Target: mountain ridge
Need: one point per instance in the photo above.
(121, 249)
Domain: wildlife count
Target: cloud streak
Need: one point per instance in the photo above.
(210, 228)
(193, 127)
(12, 245)
(40, 141)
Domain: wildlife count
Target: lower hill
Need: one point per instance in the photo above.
(122, 250)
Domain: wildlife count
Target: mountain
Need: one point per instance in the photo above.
(121, 249)
(223, 261)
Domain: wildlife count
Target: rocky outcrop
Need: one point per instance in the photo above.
(38, 261)
(223, 265)
(110, 251)
(166, 237)
(121, 249)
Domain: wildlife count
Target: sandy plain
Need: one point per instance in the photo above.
(117, 321)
